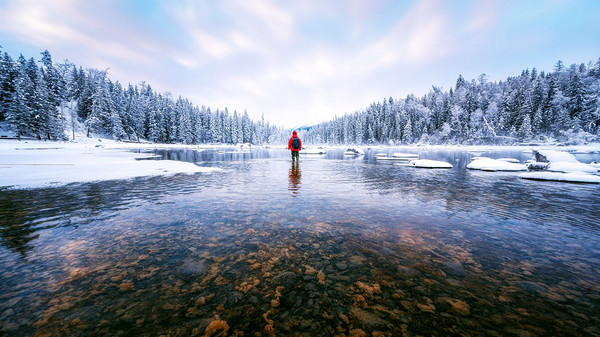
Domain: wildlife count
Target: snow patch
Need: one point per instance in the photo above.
(319, 150)
(510, 160)
(40, 164)
(554, 156)
(427, 163)
(563, 166)
(562, 177)
(404, 155)
(488, 164)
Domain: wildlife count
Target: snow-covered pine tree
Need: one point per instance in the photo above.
(525, 132)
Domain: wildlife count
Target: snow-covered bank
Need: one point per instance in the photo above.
(33, 164)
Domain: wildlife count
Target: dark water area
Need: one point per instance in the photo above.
(325, 246)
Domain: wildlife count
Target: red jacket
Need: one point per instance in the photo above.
(294, 134)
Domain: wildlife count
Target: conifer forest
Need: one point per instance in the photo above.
(46, 100)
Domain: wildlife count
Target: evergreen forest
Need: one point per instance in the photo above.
(51, 101)
(534, 107)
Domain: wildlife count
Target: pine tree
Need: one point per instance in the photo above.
(576, 94)
(8, 75)
(18, 113)
(525, 132)
(407, 133)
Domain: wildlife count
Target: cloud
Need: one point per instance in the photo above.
(484, 16)
(242, 54)
(419, 36)
(294, 61)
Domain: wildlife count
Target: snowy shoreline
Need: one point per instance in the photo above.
(34, 164)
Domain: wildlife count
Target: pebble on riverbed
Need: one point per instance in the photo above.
(279, 283)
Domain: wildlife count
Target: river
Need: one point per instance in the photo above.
(329, 245)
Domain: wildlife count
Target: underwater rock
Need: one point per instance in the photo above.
(341, 266)
(321, 277)
(368, 319)
(375, 288)
(216, 328)
(192, 267)
(357, 333)
(453, 305)
(453, 268)
(426, 307)
(286, 279)
(531, 287)
(253, 300)
(406, 271)
(460, 307)
(126, 286)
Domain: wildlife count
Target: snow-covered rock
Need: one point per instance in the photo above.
(510, 160)
(428, 163)
(404, 155)
(354, 151)
(536, 165)
(563, 177)
(554, 156)
(488, 164)
(562, 166)
(562, 162)
(318, 150)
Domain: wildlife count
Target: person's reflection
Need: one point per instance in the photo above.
(295, 174)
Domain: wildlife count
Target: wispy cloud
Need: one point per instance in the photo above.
(295, 61)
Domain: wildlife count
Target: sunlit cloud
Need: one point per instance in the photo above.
(295, 61)
(484, 16)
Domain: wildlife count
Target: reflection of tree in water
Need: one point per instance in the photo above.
(25, 212)
(295, 178)
(16, 229)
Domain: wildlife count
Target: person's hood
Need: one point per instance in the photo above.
(294, 133)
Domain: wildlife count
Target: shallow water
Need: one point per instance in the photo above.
(330, 245)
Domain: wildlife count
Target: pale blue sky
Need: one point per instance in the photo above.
(303, 61)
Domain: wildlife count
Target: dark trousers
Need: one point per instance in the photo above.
(295, 155)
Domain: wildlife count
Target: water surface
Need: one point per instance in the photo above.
(329, 245)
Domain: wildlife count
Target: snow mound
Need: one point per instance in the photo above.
(562, 162)
(318, 150)
(427, 163)
(404, 155)
(488, 164)
(562, 166)
(562, 177)
(510, 160)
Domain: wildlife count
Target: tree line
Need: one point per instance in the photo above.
(562, 105)
(53, 101)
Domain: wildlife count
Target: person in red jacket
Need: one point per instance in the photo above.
(295, 145)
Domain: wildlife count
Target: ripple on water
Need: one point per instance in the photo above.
(363, 249)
